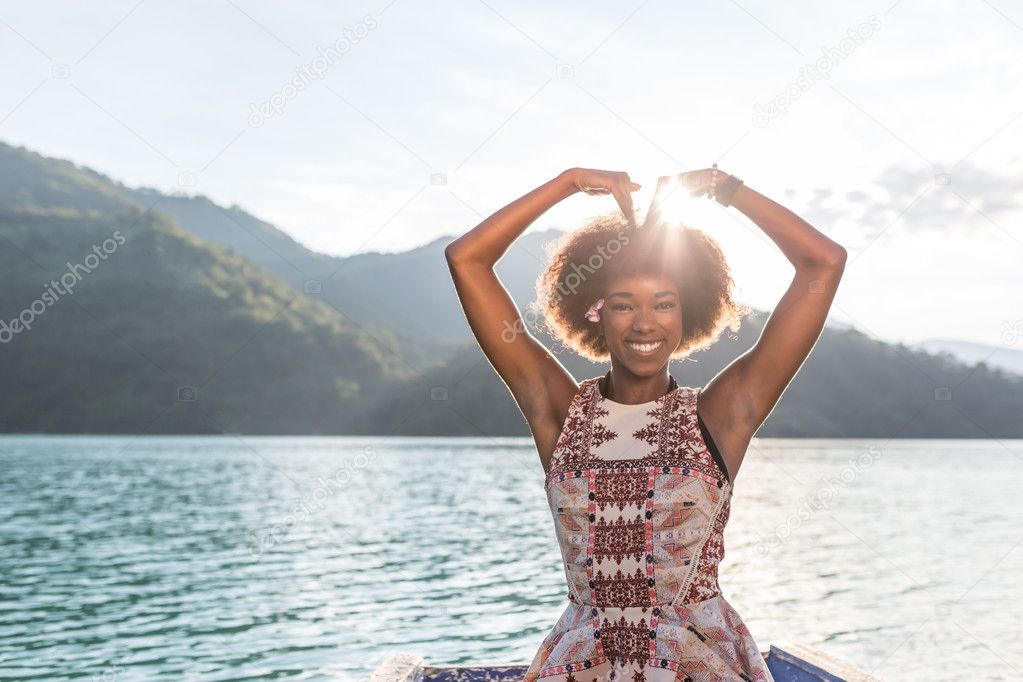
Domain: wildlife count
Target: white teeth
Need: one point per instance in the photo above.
(644, 348)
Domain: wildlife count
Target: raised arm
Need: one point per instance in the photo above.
(741, 396)
(535, 378)
(796, 323)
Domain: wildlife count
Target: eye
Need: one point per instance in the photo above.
(623, 307)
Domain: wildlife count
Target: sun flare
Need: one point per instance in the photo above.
(675, 203)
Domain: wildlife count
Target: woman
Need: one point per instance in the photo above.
(639, 470)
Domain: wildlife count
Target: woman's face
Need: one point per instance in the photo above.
(642, 318)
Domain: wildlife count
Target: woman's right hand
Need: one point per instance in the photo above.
(598, 182)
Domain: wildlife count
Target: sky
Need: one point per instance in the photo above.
(893, 127)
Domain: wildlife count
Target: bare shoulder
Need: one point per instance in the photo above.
(549, 411)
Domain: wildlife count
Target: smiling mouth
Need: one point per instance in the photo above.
(645, 348)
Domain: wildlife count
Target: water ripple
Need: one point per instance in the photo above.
(315, 558)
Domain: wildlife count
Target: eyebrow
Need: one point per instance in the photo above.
(628, 294)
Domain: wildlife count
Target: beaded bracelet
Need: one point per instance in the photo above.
(731, 185)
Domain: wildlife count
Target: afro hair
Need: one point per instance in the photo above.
(583, 262)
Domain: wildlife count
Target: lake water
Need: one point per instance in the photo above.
(243, 558)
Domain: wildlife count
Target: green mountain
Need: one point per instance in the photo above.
(850, 387)
(407, 292)
(123, 322)
(206, 319)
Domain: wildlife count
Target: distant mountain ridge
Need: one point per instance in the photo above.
(370, 288)
(1000, 357)
(210, 320)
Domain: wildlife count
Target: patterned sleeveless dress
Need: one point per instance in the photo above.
(640, 498)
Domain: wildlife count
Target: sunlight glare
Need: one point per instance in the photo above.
(676, 204)
(760, 274)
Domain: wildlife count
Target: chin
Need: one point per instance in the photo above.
(643, 366)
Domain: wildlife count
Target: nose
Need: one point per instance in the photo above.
(643, 321)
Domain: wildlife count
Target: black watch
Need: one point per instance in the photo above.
(723, 195)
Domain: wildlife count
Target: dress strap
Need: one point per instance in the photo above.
(711, 445)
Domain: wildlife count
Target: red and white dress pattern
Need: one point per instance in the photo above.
(639, 506)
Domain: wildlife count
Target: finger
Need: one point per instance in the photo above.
(662, 192)
(629, 209)
(624, 198)
(630, 186)
(631, 215)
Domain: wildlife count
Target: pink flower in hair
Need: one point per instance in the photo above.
(592, 315)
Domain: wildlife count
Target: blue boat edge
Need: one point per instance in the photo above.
(787, 661)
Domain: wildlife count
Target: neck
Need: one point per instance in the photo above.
(632, 390)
